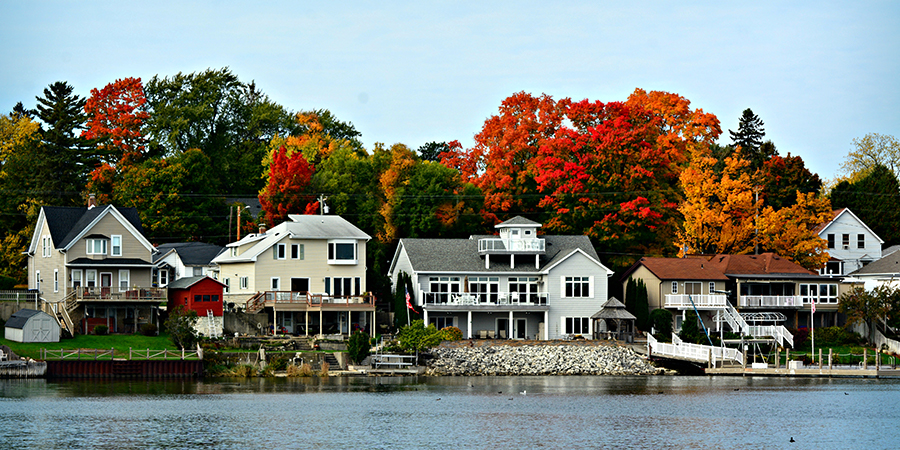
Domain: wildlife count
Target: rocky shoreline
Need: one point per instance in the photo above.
(558, 359)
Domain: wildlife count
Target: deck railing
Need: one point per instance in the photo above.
(311, 299)
(683, 301)
(511, 245)
(486, 299)
(96, 293)
(695, 352)
(770, 301)
(778, 332)
(99, 353)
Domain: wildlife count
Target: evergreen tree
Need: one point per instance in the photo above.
(62, 162)
(750, 131)
(642, 307)
(875, 199)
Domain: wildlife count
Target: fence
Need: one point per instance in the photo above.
(108, 354)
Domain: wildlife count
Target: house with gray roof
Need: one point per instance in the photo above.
(513, 285)
(183, 259)
(94, 265)
(308, 274)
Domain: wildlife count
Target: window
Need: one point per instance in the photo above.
(832, 267)
(206, 298)
(280, 251)
(124, 280)
(712, 287)
(55, 280)
(243, 282)
(830, 240)
(90, 278)
(163, 277)
(116, 245)
(442, 322)
(227, 284)
(297, 251)
(275, 281)
(576, 325)
(96, 246)
(577, 287)
(198, 271)
(76, 278)
(441, 288)
(860, 241)
(485, 289)
(233, 251)
(45, 246)
(692, 288)
(37, 280)
(197, 298)
(674, 287)
(340, 252)
(215, 298)
(343, 287)
(845, 241)
(821, 293)
(523, 289)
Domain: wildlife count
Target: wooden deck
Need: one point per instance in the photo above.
(812, 371)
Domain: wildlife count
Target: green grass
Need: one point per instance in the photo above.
(120, 342)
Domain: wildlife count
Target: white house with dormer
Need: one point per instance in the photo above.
(851, 243)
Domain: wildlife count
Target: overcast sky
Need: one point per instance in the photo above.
(817, 73)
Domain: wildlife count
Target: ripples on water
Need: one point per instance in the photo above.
(452, 412)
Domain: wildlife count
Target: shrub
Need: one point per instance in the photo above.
(358, 347)
(180, 326)
(690, 329)
(303, 370)
(836, 336)
(101, 330)
(662, 323)
(417, 336)
(800, 337)
(324, 371)
(451, 334)
(149, 329)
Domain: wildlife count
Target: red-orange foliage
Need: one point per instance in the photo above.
(286, 191)
(115, 119)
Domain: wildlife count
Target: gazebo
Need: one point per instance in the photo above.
(619, 322)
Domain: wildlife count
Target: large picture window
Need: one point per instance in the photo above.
(821, 293)
(342, 252)
(577, 287)
(576, 325)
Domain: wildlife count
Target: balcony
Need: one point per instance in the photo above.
(508, 246)
(309, 299)
(486, 299)
(770, 301)
(700, 301)
(112, 294)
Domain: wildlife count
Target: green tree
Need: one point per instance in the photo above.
(60, 166)
(642, 306)
(749, 135)
(180, 326)
(418, 337)
(690, 329)
(661, 321)
(358, 347)
(870, 307)
(875, 199)
(431, 151)
(870, 151)
(782, 177)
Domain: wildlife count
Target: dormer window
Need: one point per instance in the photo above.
(342, 252)
(96, 246)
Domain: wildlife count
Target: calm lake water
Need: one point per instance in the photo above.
(453, 412)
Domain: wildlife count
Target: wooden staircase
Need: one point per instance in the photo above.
(256, 303)
(61, 312)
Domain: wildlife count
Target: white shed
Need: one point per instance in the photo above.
(30, 325)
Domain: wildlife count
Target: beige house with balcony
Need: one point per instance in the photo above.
(92, 266)
(308, 274)
(514, 285)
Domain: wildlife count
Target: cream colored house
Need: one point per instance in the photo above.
(308, 274)
(92, 266)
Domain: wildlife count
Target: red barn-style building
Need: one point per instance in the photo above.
(203, 295)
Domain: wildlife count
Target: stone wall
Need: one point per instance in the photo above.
(564, 358)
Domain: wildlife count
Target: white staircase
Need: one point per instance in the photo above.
(693, 352)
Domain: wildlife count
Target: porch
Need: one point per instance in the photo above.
(134, 294)
(699, 301)
(302, 313)
(509, 322)
(485, 299)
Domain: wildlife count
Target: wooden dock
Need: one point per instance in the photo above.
(811, 371)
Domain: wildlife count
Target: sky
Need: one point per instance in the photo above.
(819, 74)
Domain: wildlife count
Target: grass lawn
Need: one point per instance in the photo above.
(120, 342)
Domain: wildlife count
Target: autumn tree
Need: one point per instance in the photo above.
(870, 307)
(870, 151)
(791, 231)
(286, 190)
(116, 116)
(782, 177)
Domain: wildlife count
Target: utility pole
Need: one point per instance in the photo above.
(323, 209)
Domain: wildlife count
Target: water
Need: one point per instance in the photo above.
(452, 412)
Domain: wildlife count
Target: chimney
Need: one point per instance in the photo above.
(92, 201)
(262, 228)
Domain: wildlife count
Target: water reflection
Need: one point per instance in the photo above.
(458, 412)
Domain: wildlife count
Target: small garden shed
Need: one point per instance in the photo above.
(31, 325)
(203, 295)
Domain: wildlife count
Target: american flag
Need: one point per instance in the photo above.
(408, 303)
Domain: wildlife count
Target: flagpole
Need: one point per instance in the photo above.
(812, 319)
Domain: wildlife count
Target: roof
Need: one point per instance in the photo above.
(112, 262)
(721, 267)
(613, 309)
(67, 222)
(889, 264)
(461, 255)
(191, 253)
(187, 282)
(518, 221)
(20, 318)
(298, 227)
(837, 213)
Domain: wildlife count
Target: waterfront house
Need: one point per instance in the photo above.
(202, 295)
(92, 266)
(183, 259)
(514, 285)
(758, 289)
(308, 274)
(851, 243)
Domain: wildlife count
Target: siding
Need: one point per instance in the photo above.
(578, 266)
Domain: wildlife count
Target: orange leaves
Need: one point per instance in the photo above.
(115, 117)
(286, 190)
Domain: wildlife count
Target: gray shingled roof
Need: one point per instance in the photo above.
(519, 220)
(109, 262)
(191, 253)
(887, 264)
(186, 282)
(461, 255)
(66, 222)
(20, 318)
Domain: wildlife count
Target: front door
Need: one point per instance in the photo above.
(521, 327)
(105, 284)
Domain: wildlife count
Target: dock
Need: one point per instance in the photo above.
(810, 371)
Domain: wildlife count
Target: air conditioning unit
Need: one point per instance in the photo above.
(846, 247)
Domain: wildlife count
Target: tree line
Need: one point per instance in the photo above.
(643, 176)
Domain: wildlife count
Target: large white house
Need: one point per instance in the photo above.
(515, 285)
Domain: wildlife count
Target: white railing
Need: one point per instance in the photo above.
(770, 301)
(485, 299)
(734, 319)
(778, 332)
(696, 352)
(699, 300)
(511, 245)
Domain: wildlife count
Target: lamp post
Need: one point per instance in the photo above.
(239, 211)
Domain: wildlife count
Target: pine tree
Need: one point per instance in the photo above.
(750, 132)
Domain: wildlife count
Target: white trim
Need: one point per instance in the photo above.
(80, 278)
(127, 279)
(112, 245)
(110, 209)
(55, 280)
(547, 269)
(275, 283)
(37, 281)
(847, 210)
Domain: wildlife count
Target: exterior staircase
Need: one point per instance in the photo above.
(256, 303)
(332, 361)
